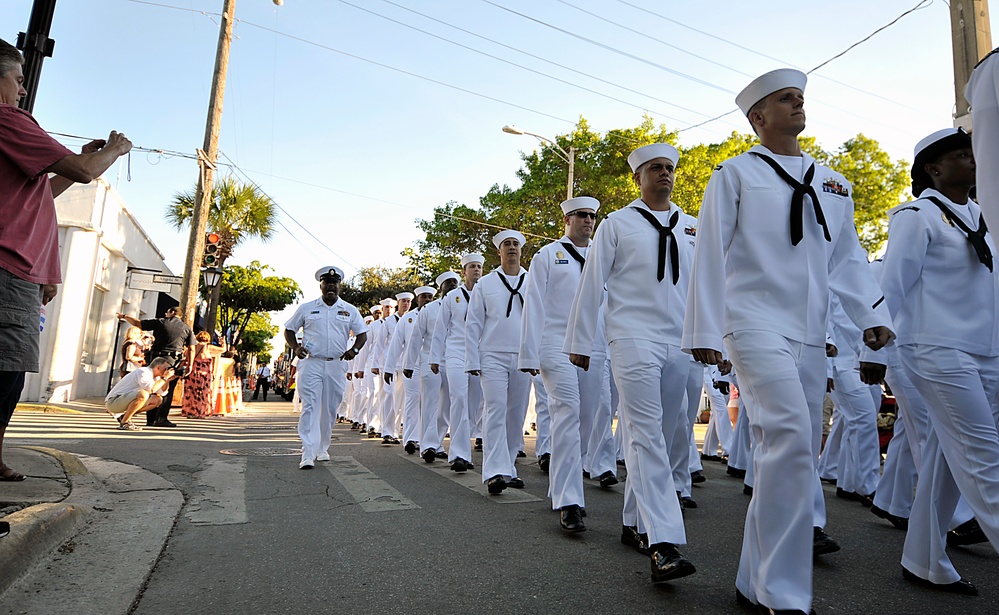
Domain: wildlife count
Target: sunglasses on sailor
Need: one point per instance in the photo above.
(584, 214)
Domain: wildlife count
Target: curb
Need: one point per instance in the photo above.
(46, 409)
(38, 530)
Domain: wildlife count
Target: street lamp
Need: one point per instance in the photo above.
(568, 156)
(213, 275)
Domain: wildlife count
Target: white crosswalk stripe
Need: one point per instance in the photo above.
(370, 491)
(472, 481)
(220, 498)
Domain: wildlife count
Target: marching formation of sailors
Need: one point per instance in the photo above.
(769, 291)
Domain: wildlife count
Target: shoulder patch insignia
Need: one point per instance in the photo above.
(559, 254)
(913, 208)
(410, 320)
(833, 186)
(690, 230)
(947, 220)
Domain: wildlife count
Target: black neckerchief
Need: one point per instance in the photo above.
(465, 292)
(977, 238)
(797, 199)
(665, 235)
(576, 256)
(514, 292)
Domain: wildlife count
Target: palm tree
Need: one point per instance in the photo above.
(238, 212)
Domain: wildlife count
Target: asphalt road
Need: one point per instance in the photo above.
(377, 531)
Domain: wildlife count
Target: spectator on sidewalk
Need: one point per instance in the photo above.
(133, 354)
(29, 235)
(263, 381)
(174, 340)
(140, 391)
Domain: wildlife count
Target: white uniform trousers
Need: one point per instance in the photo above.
(433, 395)
(829, 459)
(386, 408)
(360, 397)
(320, 385)
(542, 417)
(475, 409)
(898, 482)
(600, 450)
(859, 452)
(782, 384)
(465, 391)
(619, 443)
(563, 382)
(719, 432)
(739, 455)
(691, 460)
(411, 412)
(374, 403)
(961, 455)
(348, 395)
(651, 378)
(505, 393)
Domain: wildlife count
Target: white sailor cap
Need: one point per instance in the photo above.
(448, 275)
(471, 257)
(368, 320)
(405, 295)
(425, 290)
(389, 301)
(648, 152)
(376, 308)
(580, 202)
(330, 270)
(768, 83)
(502, 236)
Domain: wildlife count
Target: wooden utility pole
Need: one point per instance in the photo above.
(972, 39)
(206, 161)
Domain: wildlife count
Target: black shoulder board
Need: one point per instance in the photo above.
(718, 167)
(913, 208)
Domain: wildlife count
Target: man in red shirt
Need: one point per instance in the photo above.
(29, 233)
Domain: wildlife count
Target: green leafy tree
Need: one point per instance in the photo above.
(246, 291)
(257, 335)
(238, 212)
(372, 284)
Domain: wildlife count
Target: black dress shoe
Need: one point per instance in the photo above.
(521, 454)
(441, 455)
(831, 481)
(608, 480)
(620, 462)
(387, 440)
(515, 482)
(429, 455)
(586, 474)
(668, 564)
(469, 465)
(478, 444)
(354, 426)
(697, 477)
(459, 465)
(164, 423)
(823, 543)
(631, 538)
(866, 500)
(746, 489)
(900, 523)
(710, 457)
(735, 472)
(544, 462)
(968, 533)
(961, 586)
(410, 447)
(688, 502)
(496, 484)
(744, 600)
(570, 520)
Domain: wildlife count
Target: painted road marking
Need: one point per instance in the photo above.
(220, 497)
(371, 492)
(472, 481)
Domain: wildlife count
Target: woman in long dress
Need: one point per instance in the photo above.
(198, 384)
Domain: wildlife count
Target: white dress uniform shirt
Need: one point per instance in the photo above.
(499, 334)
(432, 413)
(448, 351)
(321, 375)
(407, 389)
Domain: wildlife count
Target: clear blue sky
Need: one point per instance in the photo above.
(383, 147)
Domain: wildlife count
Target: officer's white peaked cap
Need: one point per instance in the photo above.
(649, 152)
(502, 236)
(330, 270)
(768, 83)
(471, 257)
(580, 202)
(447, 275)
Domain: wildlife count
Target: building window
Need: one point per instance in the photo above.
(89, 355)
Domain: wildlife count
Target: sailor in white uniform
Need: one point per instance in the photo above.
(492, 342)
(641, 258)
(718, 437)
(407, 392)
(775, 234)
(411, 423)
(982, 92)
(362, 384)
(555, 273)
(447, 356)
(371, 370)
(942, 288)
(327, 324)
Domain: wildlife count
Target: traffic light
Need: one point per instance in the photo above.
(211, 258)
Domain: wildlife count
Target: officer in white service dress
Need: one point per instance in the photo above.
(555, 273)
(434, 387)
(775, 235)
(941, 286)
(640, 258)
(327, 324)
(447, 354)
(492, 342)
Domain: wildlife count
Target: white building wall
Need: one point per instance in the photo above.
(99, 242)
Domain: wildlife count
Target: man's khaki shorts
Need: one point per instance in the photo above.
(119, 403)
